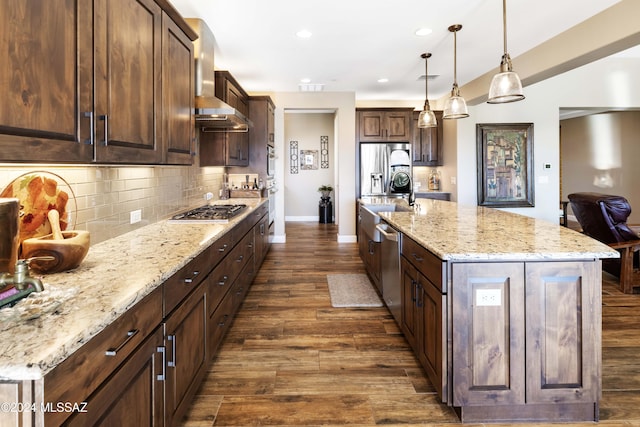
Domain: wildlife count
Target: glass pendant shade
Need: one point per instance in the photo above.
(426, 119)
(506, 85)
(455, 107)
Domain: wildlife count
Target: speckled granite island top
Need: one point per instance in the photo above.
(115, 275)
(456, 232)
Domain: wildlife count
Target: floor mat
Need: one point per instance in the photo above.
(352, 290)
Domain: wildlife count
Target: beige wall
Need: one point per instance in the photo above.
(599, 153)
(106, 195)
(300, 188)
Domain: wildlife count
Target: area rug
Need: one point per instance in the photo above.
(352, 290)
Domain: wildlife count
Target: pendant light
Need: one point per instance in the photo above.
(506, 85)
(455, 107)
(426, 119)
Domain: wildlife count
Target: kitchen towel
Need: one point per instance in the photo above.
(352, 290)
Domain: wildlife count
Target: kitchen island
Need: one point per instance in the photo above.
(62, 348)
(502, 310)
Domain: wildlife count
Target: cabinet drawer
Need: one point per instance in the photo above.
(219, 322)
(427, 263)
(81, 373)
(178, 286)
(220, 248)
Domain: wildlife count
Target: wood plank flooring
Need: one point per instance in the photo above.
(290, 359)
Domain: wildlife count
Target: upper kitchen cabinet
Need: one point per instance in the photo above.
(226, 146)
(382, 125)
(46, 84)
(86, 81)
(177, 94)
(426, 148)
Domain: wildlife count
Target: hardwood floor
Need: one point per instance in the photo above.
(290, 359)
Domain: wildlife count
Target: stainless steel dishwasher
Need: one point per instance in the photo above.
(390, 277)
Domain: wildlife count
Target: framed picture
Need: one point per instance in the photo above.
(505, 165)
(308, 159)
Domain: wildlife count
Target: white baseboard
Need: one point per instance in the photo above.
(347, 239)
(302, 218)
(280, 238)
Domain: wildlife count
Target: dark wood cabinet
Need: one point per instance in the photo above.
(370, 253)
(47, 109)
(185, 342)
(178, 123)
(262, 115)
(87, 83)
(525, 342)
(133, 395)
(220, 147)
(384, 125)
(427, 143)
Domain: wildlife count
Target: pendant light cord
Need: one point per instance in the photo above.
(455, 58)
(504, 24)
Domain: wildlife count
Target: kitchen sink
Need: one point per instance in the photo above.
(369, 217)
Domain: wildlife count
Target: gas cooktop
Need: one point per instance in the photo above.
(209, 213)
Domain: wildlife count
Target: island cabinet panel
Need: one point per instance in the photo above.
(526, 340)
(488, 334)
(564, 360)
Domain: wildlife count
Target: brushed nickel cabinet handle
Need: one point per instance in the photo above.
(163, 375)
(172, 338)
(114, 351)
(91, 140)
(105, 119)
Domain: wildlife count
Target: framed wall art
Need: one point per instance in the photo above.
(308, 159)
(505, 165)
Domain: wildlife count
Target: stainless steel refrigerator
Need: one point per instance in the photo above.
(385, 169)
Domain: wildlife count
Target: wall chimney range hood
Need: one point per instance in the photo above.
(211, 113)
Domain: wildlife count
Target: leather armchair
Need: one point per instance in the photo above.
(604, 218)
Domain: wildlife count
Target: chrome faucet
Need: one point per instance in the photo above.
(21, 279)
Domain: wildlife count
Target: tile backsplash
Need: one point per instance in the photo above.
(105, 195)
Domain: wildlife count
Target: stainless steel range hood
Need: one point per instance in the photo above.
(211, 113)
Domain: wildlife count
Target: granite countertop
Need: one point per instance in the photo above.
(456, 232)
(115, 275)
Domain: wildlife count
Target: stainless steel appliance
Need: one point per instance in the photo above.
(385, 169)
(209, 214)
(271, 161)
(391, 277)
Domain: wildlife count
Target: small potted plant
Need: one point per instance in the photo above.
(326, 191)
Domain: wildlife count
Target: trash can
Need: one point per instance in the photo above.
(325, 211)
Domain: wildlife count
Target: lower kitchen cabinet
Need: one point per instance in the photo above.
(134, 394)
(185, 342)
(422, 322)
(370, 253)
(525, 342)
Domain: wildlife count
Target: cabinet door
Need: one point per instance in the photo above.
(431, 303)
(371, 126)
(409, 291)
(127, 40)
(46, 74)
(177, 94)
(185, 339)
(133, 395)
(563, 302)
(237, 148)
(488, 334)
(398, 126)
(427, 143)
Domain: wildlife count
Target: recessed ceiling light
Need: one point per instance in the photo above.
(423, 32)
(383, 80)
(304, 34)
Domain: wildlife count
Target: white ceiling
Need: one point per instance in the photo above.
(357, 42)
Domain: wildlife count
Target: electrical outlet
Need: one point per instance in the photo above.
(488, 297)
(208, 196)
(135, 216)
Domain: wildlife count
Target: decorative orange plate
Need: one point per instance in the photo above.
(39, 192)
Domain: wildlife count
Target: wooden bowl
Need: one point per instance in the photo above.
(68, 252)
